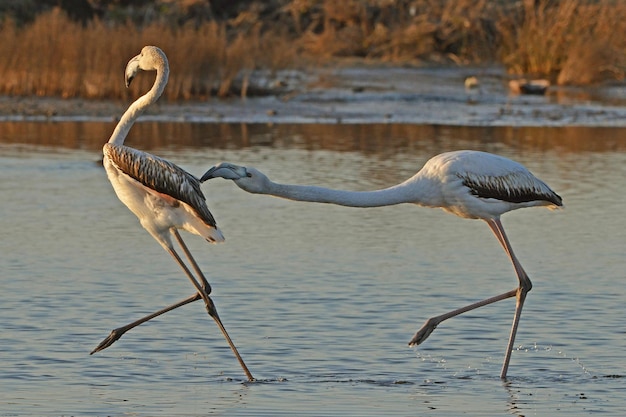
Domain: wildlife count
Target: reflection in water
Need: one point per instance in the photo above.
(380, 139)
(322, 299)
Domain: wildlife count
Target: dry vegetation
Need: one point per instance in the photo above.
(570, 41)
(56, 56)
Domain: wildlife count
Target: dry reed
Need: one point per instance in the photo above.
(55, 56)
(571, 41)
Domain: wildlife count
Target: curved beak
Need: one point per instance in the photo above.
(131, 70)
(227, 171)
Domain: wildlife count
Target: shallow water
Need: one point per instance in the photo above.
(320, 300)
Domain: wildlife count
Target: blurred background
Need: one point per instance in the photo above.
(71, 48)
(320, 300)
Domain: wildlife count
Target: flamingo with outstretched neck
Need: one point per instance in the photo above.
(470, 184)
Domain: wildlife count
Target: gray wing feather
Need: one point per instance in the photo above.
(162, 176)
(514, 188)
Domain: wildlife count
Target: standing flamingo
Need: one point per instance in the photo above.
(162, 195)
(470, 184)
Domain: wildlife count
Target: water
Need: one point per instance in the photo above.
(320, 300)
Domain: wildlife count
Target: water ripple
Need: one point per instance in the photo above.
(320, 300)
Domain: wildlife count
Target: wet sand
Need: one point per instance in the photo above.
(362, 94)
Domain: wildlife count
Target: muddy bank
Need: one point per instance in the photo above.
(357, 94)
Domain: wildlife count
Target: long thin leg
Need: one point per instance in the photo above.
(194, 264)
(116, 334)
(431, 324)
(520, 293)
(203, 290)
(524, 286)
(210, 306)
(119, 332)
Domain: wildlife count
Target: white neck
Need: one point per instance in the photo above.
(138, 107)
(413, 190)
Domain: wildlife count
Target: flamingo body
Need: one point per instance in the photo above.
(479, 185)
(161, 194)
(164, 197)
(470, 184)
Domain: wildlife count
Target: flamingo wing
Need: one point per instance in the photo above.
(514, 187)
(162, 176)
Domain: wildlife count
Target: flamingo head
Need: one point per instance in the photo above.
(248, 179)
(151, 58)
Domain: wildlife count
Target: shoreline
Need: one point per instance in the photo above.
(359, 94)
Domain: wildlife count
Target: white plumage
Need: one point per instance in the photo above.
(470, 184)
(163, 196)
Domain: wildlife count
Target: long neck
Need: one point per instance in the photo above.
(138, 107)
(406, 192)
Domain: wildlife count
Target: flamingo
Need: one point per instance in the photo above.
(162, 195)
(470, 184)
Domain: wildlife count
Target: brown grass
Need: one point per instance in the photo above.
(57, 57)
(399, 31)
(570, 41)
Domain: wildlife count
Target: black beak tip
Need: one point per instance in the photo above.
(207, 175)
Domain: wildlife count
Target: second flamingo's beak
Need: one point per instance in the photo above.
(225, 170)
